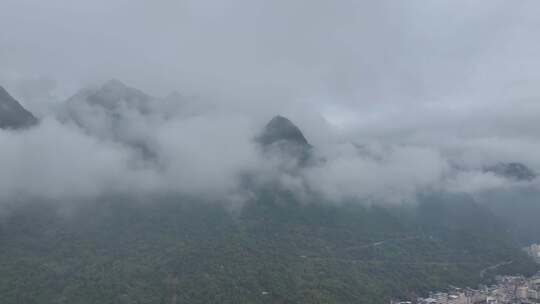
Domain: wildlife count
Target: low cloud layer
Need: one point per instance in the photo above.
(208, 155)
(198, 156)
(396, 97)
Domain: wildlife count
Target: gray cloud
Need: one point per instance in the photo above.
(443, 84)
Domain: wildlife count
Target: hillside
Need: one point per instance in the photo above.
(180, 251)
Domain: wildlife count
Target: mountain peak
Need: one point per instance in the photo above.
(282, 129)
(112, 95)
(12, 114)
(282, 136)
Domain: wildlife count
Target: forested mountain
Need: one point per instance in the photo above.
(277, 246)
(172, 250)
(269, 152)
(520, 209)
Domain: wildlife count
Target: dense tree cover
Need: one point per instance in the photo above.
(520, 209)
(268, 251)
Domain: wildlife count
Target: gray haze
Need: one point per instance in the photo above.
(396, 96)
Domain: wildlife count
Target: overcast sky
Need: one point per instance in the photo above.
(370, 56)
(459, 77)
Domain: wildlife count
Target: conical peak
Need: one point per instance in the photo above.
(282, 129)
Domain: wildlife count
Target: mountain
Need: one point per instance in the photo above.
(519, 208)
(12, 114)
(514, 171)
(113, 111)
(104, 110)
(281, 136)
(174, 250)
(276, 248)
(114, 96)
(281, 129)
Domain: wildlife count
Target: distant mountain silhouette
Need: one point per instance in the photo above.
(111, 111)
(12, 114)
(282, 136)
(514, 171)
(282, 129)
(112, 96)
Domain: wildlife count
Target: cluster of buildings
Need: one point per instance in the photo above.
(508, 290)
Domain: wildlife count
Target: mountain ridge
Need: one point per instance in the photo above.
(12, 114)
